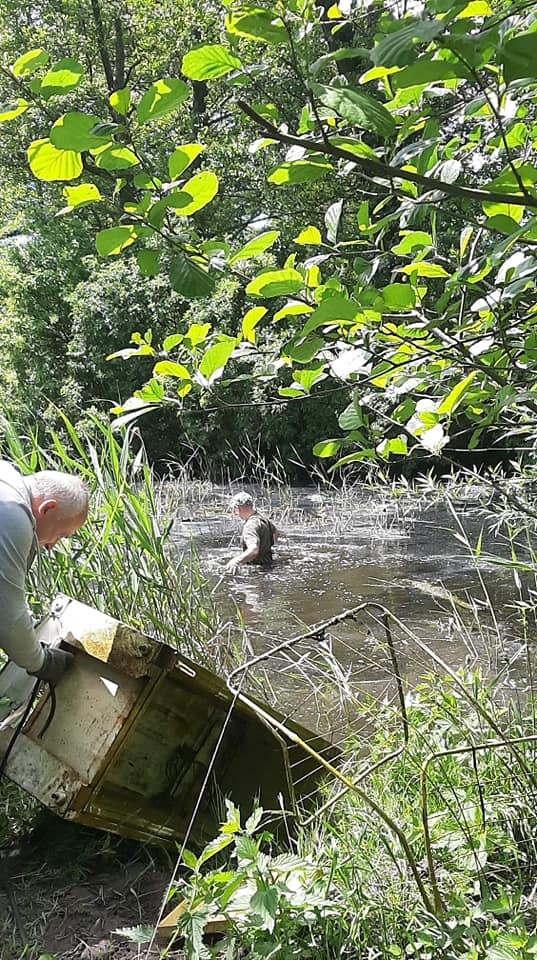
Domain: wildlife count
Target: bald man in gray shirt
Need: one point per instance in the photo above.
(35, 511)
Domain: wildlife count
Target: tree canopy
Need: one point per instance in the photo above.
(359, 177)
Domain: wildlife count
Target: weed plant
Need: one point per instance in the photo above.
(462, 794)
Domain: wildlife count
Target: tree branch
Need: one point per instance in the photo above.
(375, 168)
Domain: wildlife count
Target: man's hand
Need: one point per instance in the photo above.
(54, 665)
(232, 565)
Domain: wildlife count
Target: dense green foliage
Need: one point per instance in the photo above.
(394, 231)
(349, 888)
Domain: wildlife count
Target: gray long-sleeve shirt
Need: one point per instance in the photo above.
(18, 548)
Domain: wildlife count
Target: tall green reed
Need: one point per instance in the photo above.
(123, 560)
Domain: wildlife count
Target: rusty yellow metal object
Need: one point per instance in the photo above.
(146, 743)
(213, 927)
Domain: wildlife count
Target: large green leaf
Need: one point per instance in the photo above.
(120, 101)
(519, 57)
(189, 279)
(182, 157)
(111, 242)
(425, 71)
(149, 263)
(300, 171)
(61, 78)
(162, 97)
(255, 247)
(250, 320)
(395, 50)
(256, 24)
(116, 157)
(326, 448)
(73, 131)
(208, 62)
(82, 195)
(8, 111)
(29, 62)
(49, 163)
(303, 350)
(333, 310)
(357, 108)
(201, 189)
(216, 357)
(168, 368)
(454, 397)
(399, 296)
(275, 283)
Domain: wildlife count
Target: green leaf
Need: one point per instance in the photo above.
(309, 236)
(275, 283)
(454, 397)
(518, 57)
(189, 859)
(61, 78)
(264, 904)
(413, 240)
(120, 101)
(255, 247)
(257, 24)
(309, 377)
(351, 417)
(148, 262)
(394, 49)
(303, 350)
(292, 309)
(82, 195)
(216, 357)
(250, 320)
(399, 296)
(353, 458)
(214, 847)
(73, 132)
(300, 171)
(423, 269)
(326, 448)
(425, 71)
(209, 62)
(502, 223)
(29, 62)
(8, 111)
(49, 163)
(201, 188)
(116, 158)
(189, 279)
(140, 934)
(197, 333)
(332, 310)
(357, 108)
(111, 242)
(182, 157)
(167, 368)
(162, 97)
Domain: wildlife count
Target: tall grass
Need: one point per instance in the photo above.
(121, 561)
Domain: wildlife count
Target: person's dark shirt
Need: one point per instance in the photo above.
(259, 532)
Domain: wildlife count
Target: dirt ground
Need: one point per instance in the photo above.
(72, 888)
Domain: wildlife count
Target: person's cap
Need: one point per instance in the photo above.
(241, 499)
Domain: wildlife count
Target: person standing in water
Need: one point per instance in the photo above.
(257, 537)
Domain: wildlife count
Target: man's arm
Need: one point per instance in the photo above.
(245, 557)
(17, 635)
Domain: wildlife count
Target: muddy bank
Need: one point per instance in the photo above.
(73, 887)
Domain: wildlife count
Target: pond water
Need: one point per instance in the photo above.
(336, 553)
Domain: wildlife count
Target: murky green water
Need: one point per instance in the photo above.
(335, 556)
